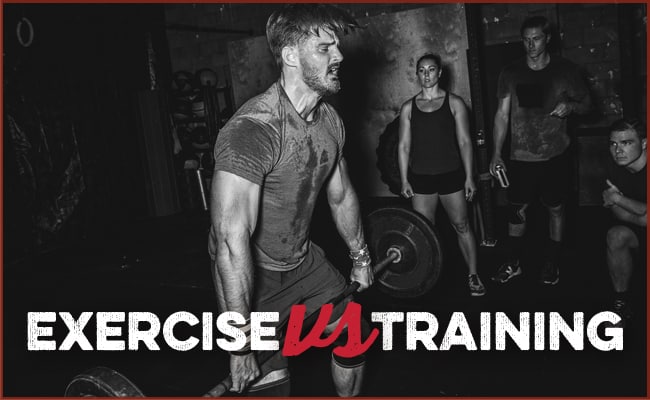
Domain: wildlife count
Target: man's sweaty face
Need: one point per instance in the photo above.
(320, 59)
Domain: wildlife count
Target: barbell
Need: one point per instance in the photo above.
(410, 264)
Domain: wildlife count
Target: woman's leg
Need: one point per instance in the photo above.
(426, 204)
(456, 207)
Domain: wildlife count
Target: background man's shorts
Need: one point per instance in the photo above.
(548, 180)
(313, 283)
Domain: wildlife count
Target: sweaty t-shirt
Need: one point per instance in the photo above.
(268, 143)
(536, 135)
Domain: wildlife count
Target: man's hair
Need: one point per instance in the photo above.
(537, 21)
(429, 56)
(632, 124)
(293, 23)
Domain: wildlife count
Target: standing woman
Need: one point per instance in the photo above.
(435, 158)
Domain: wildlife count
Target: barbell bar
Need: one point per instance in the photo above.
(393, 254)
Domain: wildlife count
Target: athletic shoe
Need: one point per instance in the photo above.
(506, 272)
(550, 273)
(476, 287)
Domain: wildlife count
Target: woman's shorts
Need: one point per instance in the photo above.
(445, 183)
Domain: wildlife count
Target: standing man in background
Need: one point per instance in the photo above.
(536, 95)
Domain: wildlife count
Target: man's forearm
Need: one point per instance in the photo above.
(347, 217)
(624, 215)
(233, 273)
(499, 134)
(630, 205)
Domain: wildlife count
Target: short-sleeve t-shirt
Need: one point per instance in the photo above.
(631, 184)
(536, 135)
(268, 143)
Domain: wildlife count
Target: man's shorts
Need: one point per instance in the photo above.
(313, 283)
(445, 183)
(547, 180)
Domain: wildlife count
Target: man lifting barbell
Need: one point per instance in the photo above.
(271, 160)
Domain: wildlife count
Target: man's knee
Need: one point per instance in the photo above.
(517, 214)
(342, 340)
(347, 381)
(620, 237)
(274, 384)
(556, 211)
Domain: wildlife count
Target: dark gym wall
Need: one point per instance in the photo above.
(199, 33)
(79, 75)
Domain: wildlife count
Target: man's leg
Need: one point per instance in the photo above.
(522, 190)
(347, 380)
(555, 186)
(556, 218)
(514, 243)
(324, 282)
(347, 374)
(516, 229)
(621, 240)
(550, 269)
(273, 294)
(273, 384)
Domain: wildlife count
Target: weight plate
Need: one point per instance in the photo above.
(421, 263)
(102, 382)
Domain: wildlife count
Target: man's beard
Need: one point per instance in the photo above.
(317, 84)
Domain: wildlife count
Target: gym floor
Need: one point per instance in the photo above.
(161, 265)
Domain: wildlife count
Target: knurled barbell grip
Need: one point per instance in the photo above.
(263, 356)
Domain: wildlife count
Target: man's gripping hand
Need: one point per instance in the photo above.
(363, 275)
(243, 370)
(496, 160)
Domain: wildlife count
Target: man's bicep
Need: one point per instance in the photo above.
(503, 107)
(234, 202)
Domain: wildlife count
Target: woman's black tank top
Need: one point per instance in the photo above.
(434, 146)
